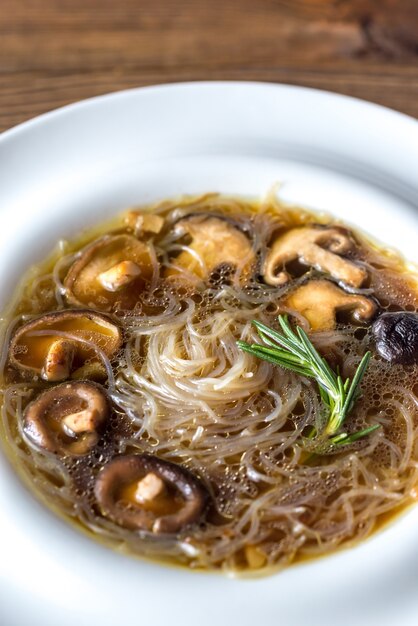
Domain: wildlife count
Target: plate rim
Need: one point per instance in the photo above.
(61, 112)
(161, 87)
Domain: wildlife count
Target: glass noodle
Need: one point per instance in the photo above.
(182, 390)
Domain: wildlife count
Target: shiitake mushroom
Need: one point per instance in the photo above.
(320, 301)
(55, 345)
(67, 419)
(144, 492)
(218, 242)
(321, 247)
(110, 273)
(396, 336)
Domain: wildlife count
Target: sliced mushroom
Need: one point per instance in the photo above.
(396, 336)
(67, 419)
(111, 272)
(144, 223)
(143, 492)
(320, 301)
(56, 344)
(317, 247)
(217, 242)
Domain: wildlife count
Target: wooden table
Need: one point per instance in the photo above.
(53, 52)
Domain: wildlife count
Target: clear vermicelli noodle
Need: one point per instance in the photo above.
(131, 409)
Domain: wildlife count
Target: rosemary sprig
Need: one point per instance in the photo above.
(295, 351)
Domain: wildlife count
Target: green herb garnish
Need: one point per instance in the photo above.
(295, 351)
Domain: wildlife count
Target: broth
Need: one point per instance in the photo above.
(236, 431)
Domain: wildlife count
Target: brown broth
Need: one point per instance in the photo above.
(388, 394)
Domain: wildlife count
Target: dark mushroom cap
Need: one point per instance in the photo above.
(84, 282)
(44, 419)
(30, 350)
(183, 503)
(396, 336)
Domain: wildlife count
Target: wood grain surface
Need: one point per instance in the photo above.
(53, 52)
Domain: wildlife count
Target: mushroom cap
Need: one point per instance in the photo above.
(43, 418)
(319, 301)
(83, 285)
(218, 242)
(184, 502)
(396, 336)
(31, 343)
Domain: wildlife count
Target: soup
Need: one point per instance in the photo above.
(216, 382)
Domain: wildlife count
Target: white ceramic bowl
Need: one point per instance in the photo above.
(69, 169)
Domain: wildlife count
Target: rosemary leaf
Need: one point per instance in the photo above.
(294, 351)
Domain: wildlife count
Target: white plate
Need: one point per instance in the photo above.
(72, 167)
